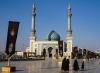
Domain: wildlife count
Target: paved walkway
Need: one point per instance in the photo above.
(51, 66)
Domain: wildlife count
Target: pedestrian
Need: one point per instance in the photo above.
(44, 53)
(65, 64)
(75, 65)
(82, 66)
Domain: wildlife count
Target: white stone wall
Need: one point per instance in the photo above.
(40, 45)
(69, 46)
(19, 53)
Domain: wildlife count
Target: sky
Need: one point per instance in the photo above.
(52, 15)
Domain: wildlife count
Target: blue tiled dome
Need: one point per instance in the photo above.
(53, 36)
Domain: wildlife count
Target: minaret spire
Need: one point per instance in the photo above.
(69, 4)
(69, 30)
(69, 33)
(33, 30)
(33, 18)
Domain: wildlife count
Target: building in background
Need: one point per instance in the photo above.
(53, 44)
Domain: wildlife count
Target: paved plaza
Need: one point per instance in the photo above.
(51, 66)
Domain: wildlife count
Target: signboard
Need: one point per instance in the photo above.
(11, 37)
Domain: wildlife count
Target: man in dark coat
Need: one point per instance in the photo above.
(75, 65)
(65, 64)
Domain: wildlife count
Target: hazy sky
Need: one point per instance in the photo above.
(52, 15)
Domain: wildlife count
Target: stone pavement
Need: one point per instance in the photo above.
(51, 66)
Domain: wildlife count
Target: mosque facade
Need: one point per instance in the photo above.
(51, 45)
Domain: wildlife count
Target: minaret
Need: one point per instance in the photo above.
(69, 33)
(33, 30)
(69, 30)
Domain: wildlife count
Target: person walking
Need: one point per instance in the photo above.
(82, 66)
(75, 65)
(65, 64)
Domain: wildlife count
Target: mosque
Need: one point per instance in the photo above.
(51, 45)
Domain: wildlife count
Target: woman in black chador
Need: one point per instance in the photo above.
(75, 65)
(82, 67)
(65, 64)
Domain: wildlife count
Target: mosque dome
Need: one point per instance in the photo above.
(53, 36)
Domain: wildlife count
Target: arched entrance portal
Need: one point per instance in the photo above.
(50, 51)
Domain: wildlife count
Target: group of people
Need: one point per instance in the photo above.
(66, 62)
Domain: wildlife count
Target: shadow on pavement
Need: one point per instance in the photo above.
(50, 68)
(19, 70)
(88, 69)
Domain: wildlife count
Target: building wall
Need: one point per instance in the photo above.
(69, 46)
(38, 46)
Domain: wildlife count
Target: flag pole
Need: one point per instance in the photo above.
(9, 57)
(8, 61)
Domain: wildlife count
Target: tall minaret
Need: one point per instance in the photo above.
(69, 33)
(69, 30)
(33, 30)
